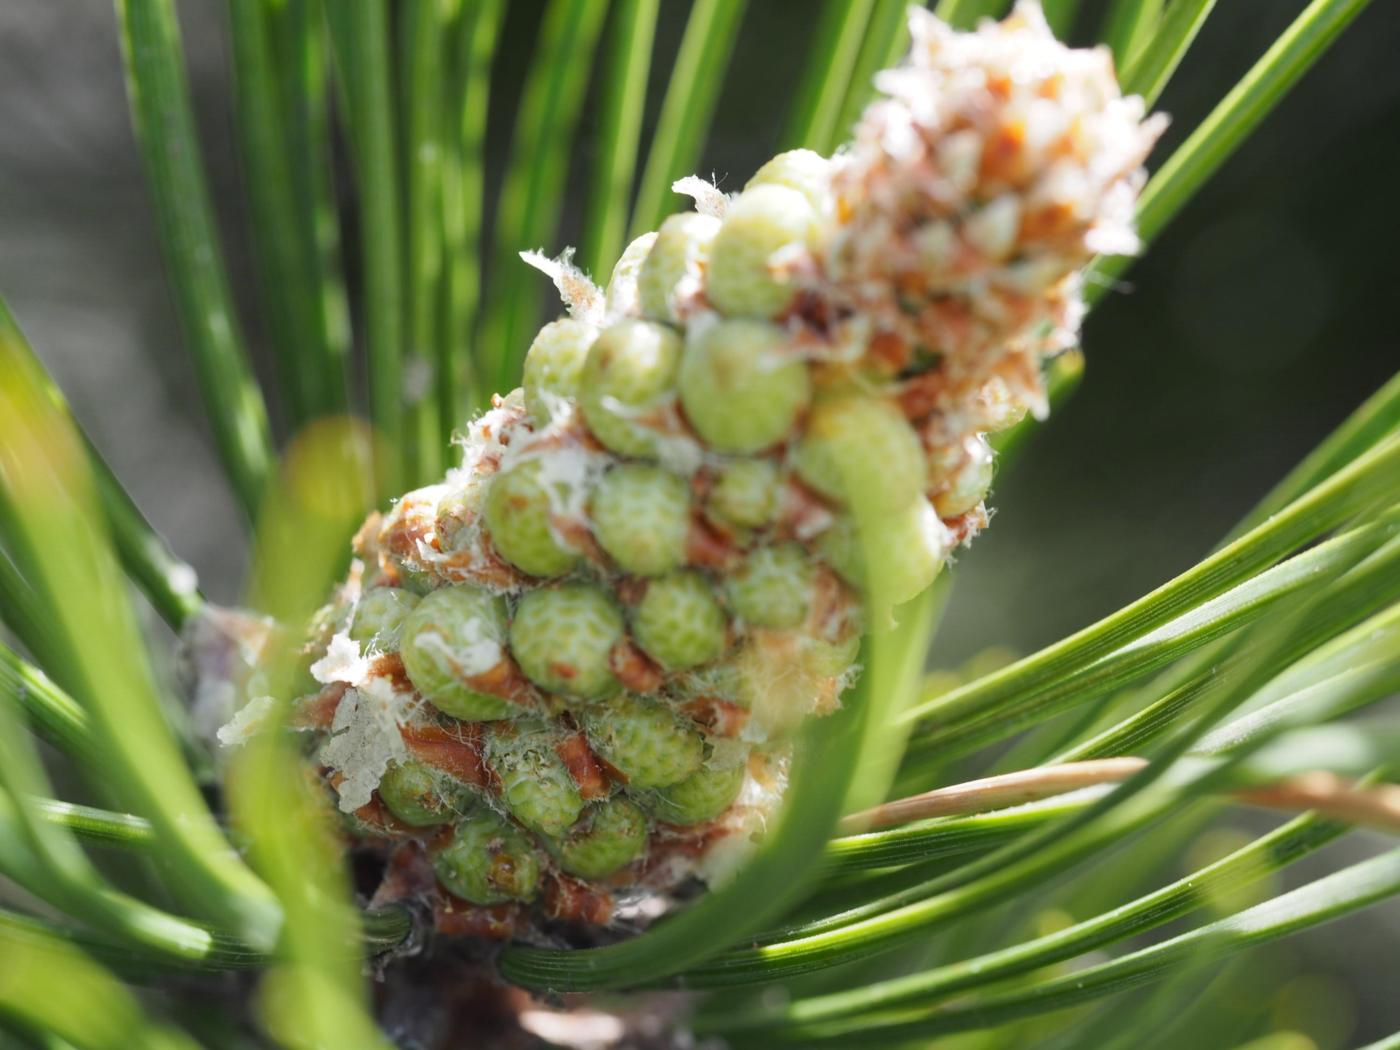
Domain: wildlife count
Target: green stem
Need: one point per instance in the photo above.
(1230, 123)
(22, 610)
(624, 97)
(1370, 423)
(299, 39)
(422, 31)
(44, 858)
(284, 231)
(463, 202)
(1350, 671)
(160, 108)
(1145, 797)
(1150, 63)
(1061, 15)
(55, 533)
(533, 192)
(1130, 24)
(1245, 866)
(382, 928)
(98, 827)
(827, 78)
(688, 108)
(52, 990)
(886, 38)
(1359, 592)
(360, 39)
(1377, 417)
(56, 715)
(964, 14)
(1372, 477)
(1326, 899)
(930, 840)
(167, 581)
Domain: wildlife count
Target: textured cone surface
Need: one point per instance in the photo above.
(564, 638)
(420, 795)
(520, 510)
(773, 586)
(803, 170)
(703, 795)
(380, 615)
(741, 386)
(452, 638)
(744, 494)
(679, 622)
(641, 515)
(576, 664)
(853, 441)
(650, 744)
(747, 278)
(554, 366)
(627, 381)
(536, 787)
(681, 250)
(489, 861)
(611, 835)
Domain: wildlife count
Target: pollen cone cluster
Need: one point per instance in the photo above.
(563, 682)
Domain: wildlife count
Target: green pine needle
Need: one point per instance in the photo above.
(160, 108)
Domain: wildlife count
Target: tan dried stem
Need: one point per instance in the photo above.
(1376, 806)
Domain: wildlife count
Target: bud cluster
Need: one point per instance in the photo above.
(567, 677)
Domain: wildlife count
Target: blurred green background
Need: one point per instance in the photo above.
(1263, 316)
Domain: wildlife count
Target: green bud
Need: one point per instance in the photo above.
(412, 513)
(703, 795)
(744, 494)
(682, 246)
(773, 586)
(783, 677)
(862, 450)
(641, 515)
(908, 546)
(609, 835)
(330, 619)
(536, 786)
(802, 170)
(678, 622)
(967, 484)
(554, 365)
(630, 370)
(623, 296)
(455, 634)
(648, 742)
(489, 861)
(520, 506)
(379, 616)
(563, 637)
(422, 796)
(830, 659)
(759, 223)
(741, 388)
(459, 507)
(417, 581)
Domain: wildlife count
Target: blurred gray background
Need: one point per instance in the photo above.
(1260, 319)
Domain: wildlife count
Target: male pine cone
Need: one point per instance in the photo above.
(569, 673)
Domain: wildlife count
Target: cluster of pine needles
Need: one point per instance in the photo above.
(976, 855)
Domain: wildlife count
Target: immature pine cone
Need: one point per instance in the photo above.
(567, 675)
